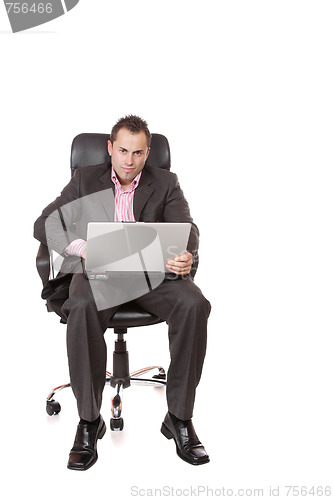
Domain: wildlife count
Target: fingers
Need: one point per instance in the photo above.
(181, 265)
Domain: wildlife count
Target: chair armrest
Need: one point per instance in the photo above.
(43, 263)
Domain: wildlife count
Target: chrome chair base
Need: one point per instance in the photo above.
(136, 378)
(159, 380)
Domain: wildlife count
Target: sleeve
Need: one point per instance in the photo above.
(76, 247)
(56, 225)
(178, 210)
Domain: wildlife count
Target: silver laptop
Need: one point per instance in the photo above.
(120, 248)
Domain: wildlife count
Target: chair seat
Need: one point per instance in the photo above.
(131, 315)
(128, 315)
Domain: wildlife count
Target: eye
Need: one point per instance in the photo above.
(138, 153)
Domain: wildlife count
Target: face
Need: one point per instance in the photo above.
(129, 153)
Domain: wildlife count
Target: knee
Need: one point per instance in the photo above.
(202, 305)
(78, 304)
(196, 303)
(82, 302)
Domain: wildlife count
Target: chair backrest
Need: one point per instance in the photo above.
(91, 149)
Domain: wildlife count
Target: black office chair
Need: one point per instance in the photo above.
(91, 149)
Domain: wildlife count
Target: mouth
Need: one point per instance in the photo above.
(127, 169)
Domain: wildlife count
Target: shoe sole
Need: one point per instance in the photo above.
(168, 434)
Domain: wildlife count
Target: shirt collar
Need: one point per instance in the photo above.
(133, 185)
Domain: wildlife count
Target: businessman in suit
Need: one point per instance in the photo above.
(124, 189)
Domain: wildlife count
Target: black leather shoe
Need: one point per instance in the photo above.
(84, 452)
(188, 445)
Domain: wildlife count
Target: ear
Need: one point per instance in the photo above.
(109, 147)
(147, 154)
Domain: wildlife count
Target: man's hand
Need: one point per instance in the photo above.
(181, 264)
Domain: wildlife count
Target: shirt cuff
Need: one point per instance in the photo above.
(77, 248)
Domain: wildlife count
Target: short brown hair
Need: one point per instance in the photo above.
(133, 124)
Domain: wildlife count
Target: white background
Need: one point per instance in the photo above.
(243, 91)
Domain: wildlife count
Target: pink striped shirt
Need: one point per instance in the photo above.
(123, 207)
(123, 211)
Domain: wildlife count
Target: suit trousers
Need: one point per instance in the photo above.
(178, 302)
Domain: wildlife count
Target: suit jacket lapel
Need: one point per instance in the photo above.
(142, 193)
(105, 196)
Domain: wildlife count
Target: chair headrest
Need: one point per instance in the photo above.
(91, 149)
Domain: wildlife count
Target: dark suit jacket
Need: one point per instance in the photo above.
(87, 197)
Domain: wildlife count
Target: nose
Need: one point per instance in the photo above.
(129, 159)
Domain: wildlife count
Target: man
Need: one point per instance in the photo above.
(138, 193)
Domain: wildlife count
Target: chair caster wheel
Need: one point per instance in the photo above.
(117, 424)
(52, 407)
(161, 374)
